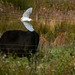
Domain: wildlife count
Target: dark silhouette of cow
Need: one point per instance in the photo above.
(20, 43)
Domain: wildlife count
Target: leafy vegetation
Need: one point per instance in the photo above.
(52, 61)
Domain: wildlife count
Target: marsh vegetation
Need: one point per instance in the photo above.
(54, 21)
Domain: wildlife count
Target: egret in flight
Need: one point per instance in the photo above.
(26, 20)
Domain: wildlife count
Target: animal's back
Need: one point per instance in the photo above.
(20, 42)
(13, 37)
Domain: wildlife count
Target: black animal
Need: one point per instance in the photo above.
(20, 43)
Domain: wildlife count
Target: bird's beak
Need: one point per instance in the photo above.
(31, 19)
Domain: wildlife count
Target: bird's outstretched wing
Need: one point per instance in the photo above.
(28, 26)
(27, 12)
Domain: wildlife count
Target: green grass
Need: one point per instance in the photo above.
(54, 61)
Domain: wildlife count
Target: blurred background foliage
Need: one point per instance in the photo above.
(56, 4)
(52, 18)
(54, 21)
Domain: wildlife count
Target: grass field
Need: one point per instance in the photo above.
(54, 61)
(54, 21)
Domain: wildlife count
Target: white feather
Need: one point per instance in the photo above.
(23, 19)
(28, 26)
(26, 15)
(27, 12)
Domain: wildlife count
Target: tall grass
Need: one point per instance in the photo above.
(50, 4)
(56, 52)
(52, 30)
(52, 61)
(63, 5)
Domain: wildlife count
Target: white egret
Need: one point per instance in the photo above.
(25, 19)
